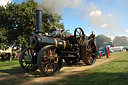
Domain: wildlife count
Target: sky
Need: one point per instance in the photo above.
(108, 17)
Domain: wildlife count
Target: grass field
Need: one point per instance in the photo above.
(10, 67)
(112, 73)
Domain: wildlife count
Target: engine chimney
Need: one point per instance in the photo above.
(38, 21)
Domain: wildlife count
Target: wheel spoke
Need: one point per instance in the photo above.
(55, 66)
(54, 55)
(46, 68)
(28, 66)
(81, 40)
(80, 32)
(29, 53)
(44, 59)
(48, 54)
(92, 48)
(91, 58)
(87, 53)
(54, 52)
(93, 54)
(77, 32)
(57, 57)
(45, 62)
(45, 54)
(25, 65)
(77, 37)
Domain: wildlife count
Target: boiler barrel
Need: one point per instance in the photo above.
(41, 41)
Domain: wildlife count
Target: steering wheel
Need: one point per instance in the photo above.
(79, 35)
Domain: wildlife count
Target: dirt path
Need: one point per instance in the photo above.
(66, 71)
(38, 79)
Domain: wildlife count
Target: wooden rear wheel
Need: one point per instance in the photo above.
(88, 52)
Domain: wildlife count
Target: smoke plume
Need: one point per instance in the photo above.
(86, 10)
(58, 5)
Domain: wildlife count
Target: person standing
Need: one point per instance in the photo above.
(92, 36)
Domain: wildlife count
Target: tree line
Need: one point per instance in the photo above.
(117, 41)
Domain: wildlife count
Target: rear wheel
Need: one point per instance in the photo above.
(101, 55)
(49, 60)
(88, 52)
(108, 52)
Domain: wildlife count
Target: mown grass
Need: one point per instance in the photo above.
(10, 67)
(112, 73)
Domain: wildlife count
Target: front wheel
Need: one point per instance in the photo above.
(26, 60)
(49, 60)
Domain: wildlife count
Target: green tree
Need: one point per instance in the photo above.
(21, 22)
(3, 31)
(18, 22)
(100, 39)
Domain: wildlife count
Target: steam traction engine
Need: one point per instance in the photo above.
(47, 51)
(105, 49)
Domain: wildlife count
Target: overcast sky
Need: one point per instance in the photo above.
(109, 17)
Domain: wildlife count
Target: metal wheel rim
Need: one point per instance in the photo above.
(79, 35)
(26, 61)
(90, 52)
(50, 61)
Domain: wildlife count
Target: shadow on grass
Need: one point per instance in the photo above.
(14, 70)
(39, 74)
(19, 70)
(86, 77)
(13, 76)
(77, 79)
(15, 80)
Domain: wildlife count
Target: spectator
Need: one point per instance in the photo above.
(13, 55)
